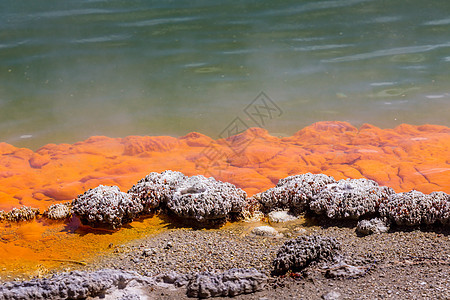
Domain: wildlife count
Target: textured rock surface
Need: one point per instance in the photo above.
(372, 226)
(73, 285)
(24, 213)
(106, 207)
(58, 211)
(228, 284)
(156, 189)
(298, 253)
(350, 198)
(415, 208)
(204, 199)
(294, 192)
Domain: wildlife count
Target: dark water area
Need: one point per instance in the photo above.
(73, 69)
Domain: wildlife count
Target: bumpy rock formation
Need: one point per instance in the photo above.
(294, 192)
(156, 189)
(350, 198)
(73, 285)
(298, 253)
(106, 207)
(415, 208)
(58, 211)
(24, 213)
(202, 199)
(372, 226)
(228, 284)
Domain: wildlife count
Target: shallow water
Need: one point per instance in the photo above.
(70, 70)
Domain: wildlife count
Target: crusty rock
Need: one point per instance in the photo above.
(24, 213)
(298, 253)
(202, 199)
(350, 198)
(415, 208)
(73, 285)
(106, 207)
(372, 226)
(228, 284)
(293, 192)
(156, 189)
(58, 211)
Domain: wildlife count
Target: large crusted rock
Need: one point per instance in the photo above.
(415, 208)
(73, 285)
(228, 284)
(293, 192)
(298, 253)
(156, 189)
(350, 198)
(203, 199)
(106, 207)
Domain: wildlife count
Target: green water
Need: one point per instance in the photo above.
(72, 69)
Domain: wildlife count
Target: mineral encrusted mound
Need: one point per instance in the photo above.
(106, 207)
(24, 213)
(298, 253)
(228, 284)
(372, 226)
(415, 208)
(203, 199)
(350, 198)
(156, 189)
(58, 211)
(73, 285)
(293, 192)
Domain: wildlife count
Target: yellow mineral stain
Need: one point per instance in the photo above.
(35, 248)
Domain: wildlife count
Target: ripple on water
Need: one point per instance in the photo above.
(410, 58)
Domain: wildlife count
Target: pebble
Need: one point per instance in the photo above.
(280, 216)
(265, 231)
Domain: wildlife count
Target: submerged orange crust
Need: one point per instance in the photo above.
(407, 157)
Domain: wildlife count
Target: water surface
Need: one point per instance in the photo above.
(73, 69)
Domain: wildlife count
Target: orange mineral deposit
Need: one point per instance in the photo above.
(404, 158)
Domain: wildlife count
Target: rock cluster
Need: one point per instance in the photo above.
(73, 285)
(355, 199)
(204, 198)
(415, 208)
(58, 211)
(109, 283)
(196, 197)
(24, 213)
(350, 198)
(231, 283)
(106, 207)
(294, 192)
(296, 254)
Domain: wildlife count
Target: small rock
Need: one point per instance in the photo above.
(148, 252)
(376, 225)
(280, 216)
(265, 231)
(333, 295)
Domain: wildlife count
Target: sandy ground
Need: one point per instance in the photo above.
(404, 263)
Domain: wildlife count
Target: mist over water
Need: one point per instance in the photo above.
(70, 70)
